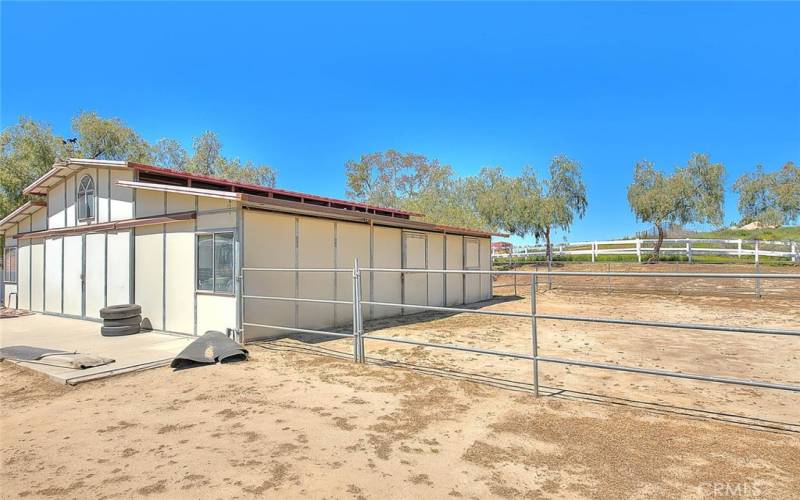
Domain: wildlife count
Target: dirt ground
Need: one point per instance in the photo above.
(300, 419)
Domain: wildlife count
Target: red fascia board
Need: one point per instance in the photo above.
(267, 190)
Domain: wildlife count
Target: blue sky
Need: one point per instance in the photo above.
(305, 87)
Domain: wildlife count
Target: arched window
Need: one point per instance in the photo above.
(86, 198)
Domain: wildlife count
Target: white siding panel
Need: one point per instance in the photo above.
(102, 195)
(119, 252)
(316, 251)
(37, 275)
(150, 273)
(55, 206)
(268, 242)
(24, 273)
(486, 265)
(386, 253)
(215, 312)
(95, 272)
(455, 260)
(352, 242)
(39, 220)
(121, 197)
(216, 220)
(53, 249)
(73, 262)
(149, 203)
(71, 219)
(436, 261)
(415, 285)
(179, 203)
(472, 282)
(180, 277)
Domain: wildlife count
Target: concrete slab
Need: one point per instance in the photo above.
(133, 352)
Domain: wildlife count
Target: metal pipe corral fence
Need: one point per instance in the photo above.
(359, 349)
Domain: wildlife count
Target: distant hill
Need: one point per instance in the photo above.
(764, 233)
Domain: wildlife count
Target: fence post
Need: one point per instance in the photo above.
(756, 251)
(356, 308)
(689, 250)
(594, 251)
(758, 280)
(639, 250)
(534, 338)
(795, 254)
(739, 248)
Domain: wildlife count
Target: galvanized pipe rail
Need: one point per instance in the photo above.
(359, 350)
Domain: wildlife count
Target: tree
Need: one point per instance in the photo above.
(109, 139)
(169, 153)
(29, 149)
(770, 198)
(563, 197)
(208, 160)
(389, 178)
(692, 194)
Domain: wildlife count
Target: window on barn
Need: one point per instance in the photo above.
(86, 198)
(215, 263)
(10, 265)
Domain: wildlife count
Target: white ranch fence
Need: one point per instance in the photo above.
(688, 247)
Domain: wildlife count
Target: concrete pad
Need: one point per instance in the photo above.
(133, 352)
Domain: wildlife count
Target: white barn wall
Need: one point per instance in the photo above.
(179, 269)
(269, 242)
(118, 284)
(415, 256)
(39, 220)
(472, 261)
(10, 288)
(37, 275)
(73, 263)
(435, 261)
(455, 260)
(55, 206)
(486, 265)
(53, 277)
(71, 188)
(386, 253)
(24, 274)
(352, 240)
(315, 250)
(96, 273)
(103, 193)
(149, 274)
(215, 312)
(121, 197)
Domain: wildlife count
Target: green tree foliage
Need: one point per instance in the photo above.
(30, 148)
(770, 198)
(412, 182)
(691, 194)
(526, 205)
(108, 139)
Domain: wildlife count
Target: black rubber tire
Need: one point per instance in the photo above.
(136, 320)
(118, 331)
(121, 311)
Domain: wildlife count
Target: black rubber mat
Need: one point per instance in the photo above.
(28, 353)
(212, 347)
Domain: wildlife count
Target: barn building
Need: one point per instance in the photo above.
(99, 233)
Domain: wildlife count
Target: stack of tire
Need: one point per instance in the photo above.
(119, 320)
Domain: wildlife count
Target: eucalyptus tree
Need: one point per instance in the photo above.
(691, 194)
(770, 198)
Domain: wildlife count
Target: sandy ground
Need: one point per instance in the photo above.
(301, 420)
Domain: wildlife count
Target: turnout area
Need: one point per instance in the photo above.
(301, 419)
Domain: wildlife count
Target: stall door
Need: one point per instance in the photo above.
(415, 285)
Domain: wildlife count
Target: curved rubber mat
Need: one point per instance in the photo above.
(212, 347)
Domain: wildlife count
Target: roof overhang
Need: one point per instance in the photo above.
(63, 169)
(110, 226)
(19, 214)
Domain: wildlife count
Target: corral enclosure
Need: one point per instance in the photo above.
(722, 302)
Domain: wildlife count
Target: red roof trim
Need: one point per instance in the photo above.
(269, 191)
